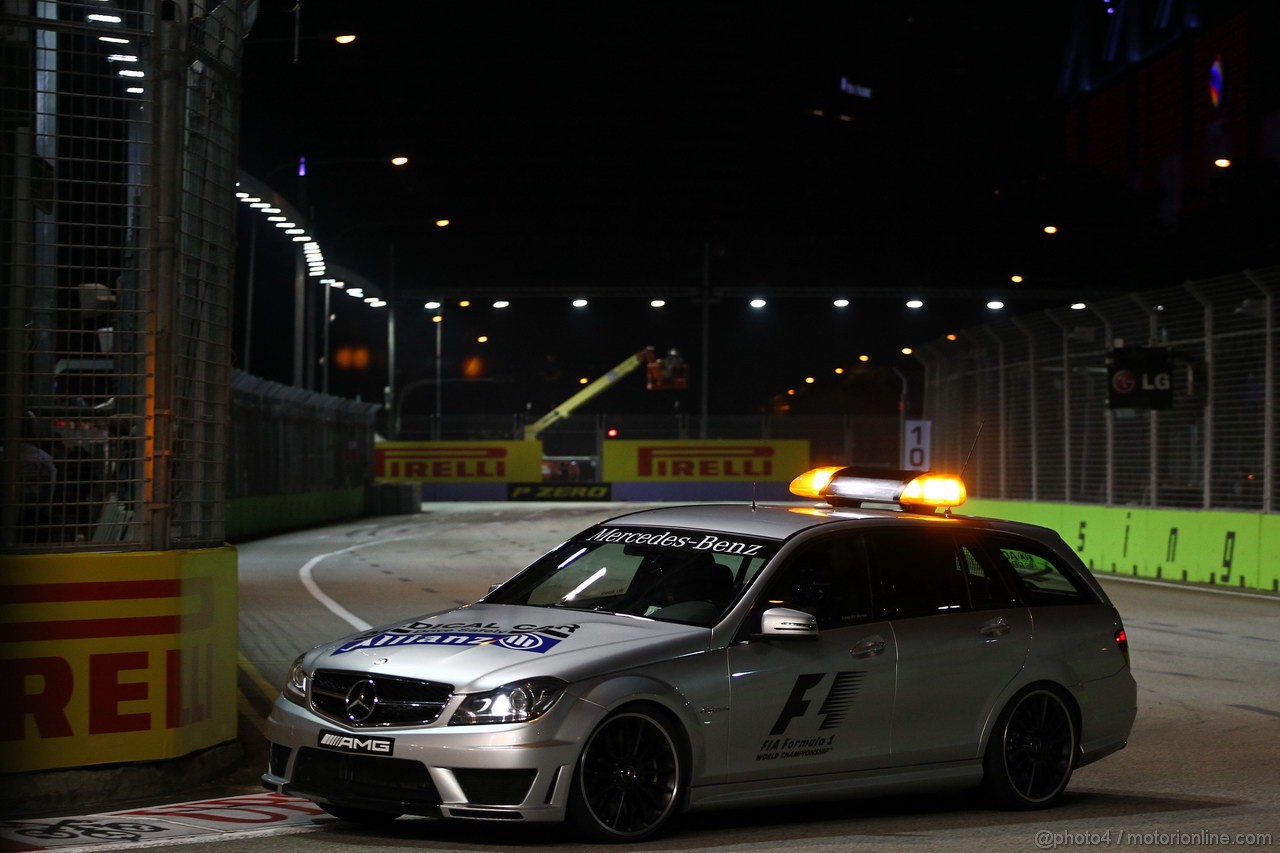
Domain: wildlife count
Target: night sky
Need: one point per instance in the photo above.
(640, 146)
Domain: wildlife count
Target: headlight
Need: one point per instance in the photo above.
(295, 686)
(510, 703)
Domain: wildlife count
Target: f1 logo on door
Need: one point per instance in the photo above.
(839, 696)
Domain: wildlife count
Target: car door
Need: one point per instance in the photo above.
(810, 705)
(961, 638)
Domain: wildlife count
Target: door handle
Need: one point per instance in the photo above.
(868, 648)
(996, 627)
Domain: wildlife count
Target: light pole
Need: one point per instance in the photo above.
(304, 310)
(394, 404)
(439, 321)
(393, 425)
(902, 417)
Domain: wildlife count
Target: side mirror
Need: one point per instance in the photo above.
(785, 622)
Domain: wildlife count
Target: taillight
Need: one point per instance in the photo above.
(1122, 643)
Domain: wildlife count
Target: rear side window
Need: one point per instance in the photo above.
(1041, 579)
(931, 572)
(988, 587)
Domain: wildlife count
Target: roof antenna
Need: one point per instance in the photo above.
(972, 447)
(967, 457)
(753, 497)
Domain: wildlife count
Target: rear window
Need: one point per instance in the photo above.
(1041, 579)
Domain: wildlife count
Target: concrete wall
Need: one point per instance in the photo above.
(263, 514)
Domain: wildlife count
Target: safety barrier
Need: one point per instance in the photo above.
(650, 470)
(1237, 549)
(108, 658)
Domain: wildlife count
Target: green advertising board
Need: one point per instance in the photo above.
(1235, 549)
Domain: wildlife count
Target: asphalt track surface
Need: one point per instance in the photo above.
(1200, 771)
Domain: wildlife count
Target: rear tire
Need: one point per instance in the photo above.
(1032, 751)
(364, 817)
(629, 781)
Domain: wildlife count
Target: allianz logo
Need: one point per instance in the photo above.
(524, 642)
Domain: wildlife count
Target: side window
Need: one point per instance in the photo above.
(827, 578)
(988, 589)
(1040, 578)
(922, 572)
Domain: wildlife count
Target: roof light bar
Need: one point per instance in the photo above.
(840, 486)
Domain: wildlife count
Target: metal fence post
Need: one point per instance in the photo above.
(166, 214)
(1001, 416)
(1031, 399)
(1108, 415)
(1067, 468)
(1206, 456)
(1268, 391)
(1153, 423)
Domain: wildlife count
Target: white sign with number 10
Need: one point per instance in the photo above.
(916, 438)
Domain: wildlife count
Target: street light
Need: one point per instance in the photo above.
(438, 320)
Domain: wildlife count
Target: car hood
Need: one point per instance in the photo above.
(483, 646)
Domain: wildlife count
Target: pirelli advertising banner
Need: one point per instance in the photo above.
(109, 658)
(725, 461)
(457, 461)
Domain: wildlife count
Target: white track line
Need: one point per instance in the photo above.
(304, 574)
(1106, 576)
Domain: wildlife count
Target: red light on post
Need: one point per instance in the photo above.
(611, 432)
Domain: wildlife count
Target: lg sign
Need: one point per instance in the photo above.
(1139, 378)
(1126, 382)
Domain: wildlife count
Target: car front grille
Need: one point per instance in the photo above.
(359, 778)
(399, 702)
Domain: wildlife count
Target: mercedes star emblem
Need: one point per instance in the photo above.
(362, 700)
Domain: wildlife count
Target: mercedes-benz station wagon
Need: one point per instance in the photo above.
(685, 658)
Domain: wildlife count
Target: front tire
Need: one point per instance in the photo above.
(1032, 751)
(629, 781)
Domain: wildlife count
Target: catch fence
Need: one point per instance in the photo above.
(1023, 404)
(118, 165)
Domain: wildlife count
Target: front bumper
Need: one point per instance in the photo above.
(514, 772)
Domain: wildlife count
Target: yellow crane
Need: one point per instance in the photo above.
(668, 373)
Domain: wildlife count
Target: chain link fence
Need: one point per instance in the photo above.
(290, 441)
(117, 159)
(1023, 403)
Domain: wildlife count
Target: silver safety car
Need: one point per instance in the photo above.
(693, 657)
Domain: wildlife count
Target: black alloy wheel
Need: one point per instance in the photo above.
(629, 781)
(1032, 751)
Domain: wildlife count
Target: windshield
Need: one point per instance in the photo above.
(687, 576)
